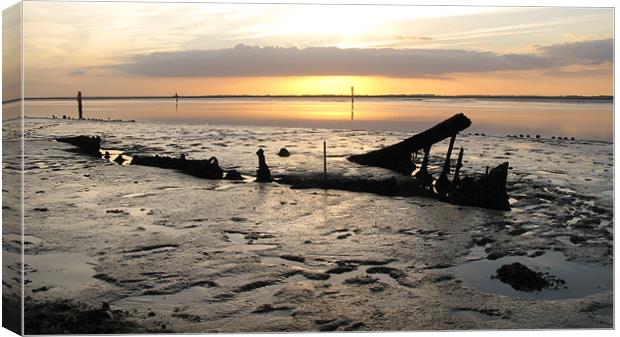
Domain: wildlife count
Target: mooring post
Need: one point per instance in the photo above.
(325, 163)
(79, 99)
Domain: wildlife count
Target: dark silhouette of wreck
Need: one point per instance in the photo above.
(486, 190)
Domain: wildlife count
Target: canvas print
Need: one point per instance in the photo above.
(219, 167)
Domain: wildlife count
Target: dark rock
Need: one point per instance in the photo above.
(522, 278)
(233, 175)
(284, 152)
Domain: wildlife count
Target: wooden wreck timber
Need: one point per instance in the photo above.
(397, 157)
(207, 169)
(89, 145)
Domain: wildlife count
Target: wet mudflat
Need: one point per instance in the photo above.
(178, 253)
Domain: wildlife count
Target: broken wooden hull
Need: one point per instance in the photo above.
(485, 191)
(198, 168)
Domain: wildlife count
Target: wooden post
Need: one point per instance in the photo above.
(325, 164)
(79, 99)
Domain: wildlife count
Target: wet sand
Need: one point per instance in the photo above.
(178, 253)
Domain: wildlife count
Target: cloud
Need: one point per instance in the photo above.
(244, 60)
(407, 37)
(584, 52)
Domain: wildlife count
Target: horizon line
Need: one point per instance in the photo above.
(591, 97)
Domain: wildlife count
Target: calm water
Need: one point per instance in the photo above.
(583, 119)
(581, 280)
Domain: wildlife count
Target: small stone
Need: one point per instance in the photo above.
(284, 152)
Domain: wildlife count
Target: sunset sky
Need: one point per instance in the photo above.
(195, 49)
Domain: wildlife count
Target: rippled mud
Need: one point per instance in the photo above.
(179, 253)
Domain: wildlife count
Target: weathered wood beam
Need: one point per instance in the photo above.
(397, 157)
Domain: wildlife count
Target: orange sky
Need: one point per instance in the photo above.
(196, 49)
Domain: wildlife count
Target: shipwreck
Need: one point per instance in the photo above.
(486, 190)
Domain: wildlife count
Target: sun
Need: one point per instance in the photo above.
(331, 85)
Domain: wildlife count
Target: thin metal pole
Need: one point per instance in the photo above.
(352, 96)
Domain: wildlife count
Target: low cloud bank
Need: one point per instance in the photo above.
(243, 60)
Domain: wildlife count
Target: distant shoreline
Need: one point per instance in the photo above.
(417, 96)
